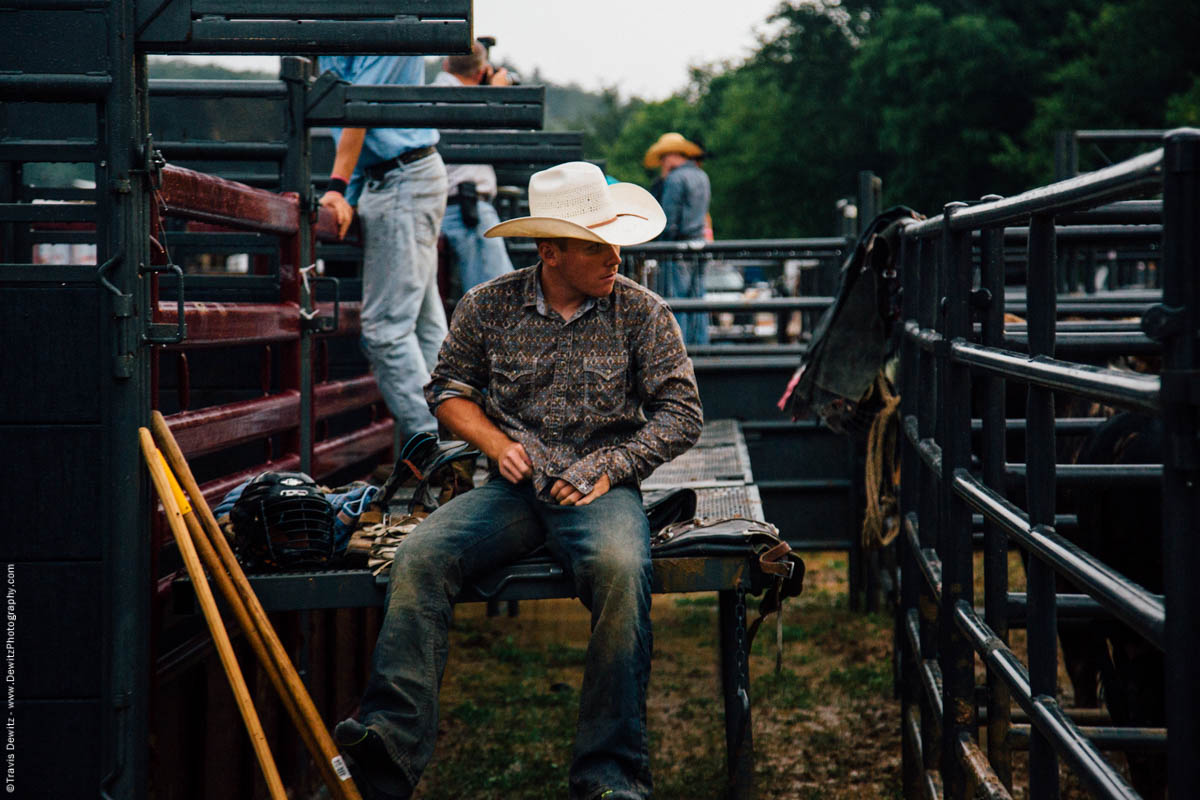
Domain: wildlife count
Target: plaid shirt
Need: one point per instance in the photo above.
(609, 391)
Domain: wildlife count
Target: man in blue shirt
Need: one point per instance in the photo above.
(397, 181)
(685, 193)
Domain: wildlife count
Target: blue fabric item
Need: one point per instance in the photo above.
(347, 508)
(604, 547)
(380, 144)
(478, 259)
(230, 498)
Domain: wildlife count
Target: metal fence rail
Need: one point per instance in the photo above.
(955, 468)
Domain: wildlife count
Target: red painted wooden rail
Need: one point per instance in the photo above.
(226, 205)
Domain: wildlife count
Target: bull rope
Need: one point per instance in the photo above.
(880, 519)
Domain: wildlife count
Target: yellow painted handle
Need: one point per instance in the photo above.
(177, 490)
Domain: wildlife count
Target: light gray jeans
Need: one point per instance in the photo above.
(403, 321)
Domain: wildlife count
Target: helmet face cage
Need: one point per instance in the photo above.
(282, 520)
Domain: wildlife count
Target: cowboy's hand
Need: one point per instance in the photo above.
(514, 463)
(499, 77)
(343, 212)
(567, 495)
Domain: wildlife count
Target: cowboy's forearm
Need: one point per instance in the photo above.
(466, 420)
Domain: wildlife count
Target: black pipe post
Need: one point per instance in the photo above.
(735, 686)
(1063, 151)
(1040, 483)
(957, 657)
(995, 542)
(123, 197)
(907, 665)
(927, 294)
(870, 194)
(297, 177)
(1181, 467)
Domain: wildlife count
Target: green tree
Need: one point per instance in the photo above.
(780, 147)
(644, 124)
(164, 68)
(784, 138)
(946, 95)
(1133, 64)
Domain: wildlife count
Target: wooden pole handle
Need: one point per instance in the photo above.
(323, 750)
(167, 493)
(225, 584)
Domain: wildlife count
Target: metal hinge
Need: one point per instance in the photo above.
(124, 342)
(309, 320)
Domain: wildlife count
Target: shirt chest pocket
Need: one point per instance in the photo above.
(512, 382)
(605, 388)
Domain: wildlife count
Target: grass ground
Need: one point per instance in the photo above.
(824, 725)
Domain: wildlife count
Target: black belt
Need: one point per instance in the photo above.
(487, 198)
(376, 171)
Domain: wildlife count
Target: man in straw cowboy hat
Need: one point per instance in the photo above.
(574, 381)
(685, 193)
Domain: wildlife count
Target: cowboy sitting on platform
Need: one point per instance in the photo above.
(575, 382)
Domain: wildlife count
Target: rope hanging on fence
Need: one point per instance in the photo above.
(881, 521)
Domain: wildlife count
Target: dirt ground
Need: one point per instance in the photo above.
(824, 725)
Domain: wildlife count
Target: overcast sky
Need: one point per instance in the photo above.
(643, 47)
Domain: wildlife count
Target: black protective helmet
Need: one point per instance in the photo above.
(282, 521)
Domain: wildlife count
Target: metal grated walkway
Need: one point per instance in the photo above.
(716, 465)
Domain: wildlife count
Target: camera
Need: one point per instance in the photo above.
(489, 42)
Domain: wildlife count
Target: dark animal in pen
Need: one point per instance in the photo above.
(1122, 526)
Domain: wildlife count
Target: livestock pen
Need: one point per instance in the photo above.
(949, 477)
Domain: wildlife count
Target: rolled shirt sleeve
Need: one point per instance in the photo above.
(461, 366)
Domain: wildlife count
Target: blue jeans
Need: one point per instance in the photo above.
(604, 547)
(478, 259)
(683, 279)
(403, 322)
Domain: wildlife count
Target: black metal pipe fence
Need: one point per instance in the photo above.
(756, 290)
(956, 474)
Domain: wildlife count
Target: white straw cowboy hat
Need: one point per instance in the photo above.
(574, 201)
(671, 143)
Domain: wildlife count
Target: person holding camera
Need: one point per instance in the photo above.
(472, 187)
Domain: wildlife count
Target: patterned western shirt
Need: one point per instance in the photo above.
(609, 391)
